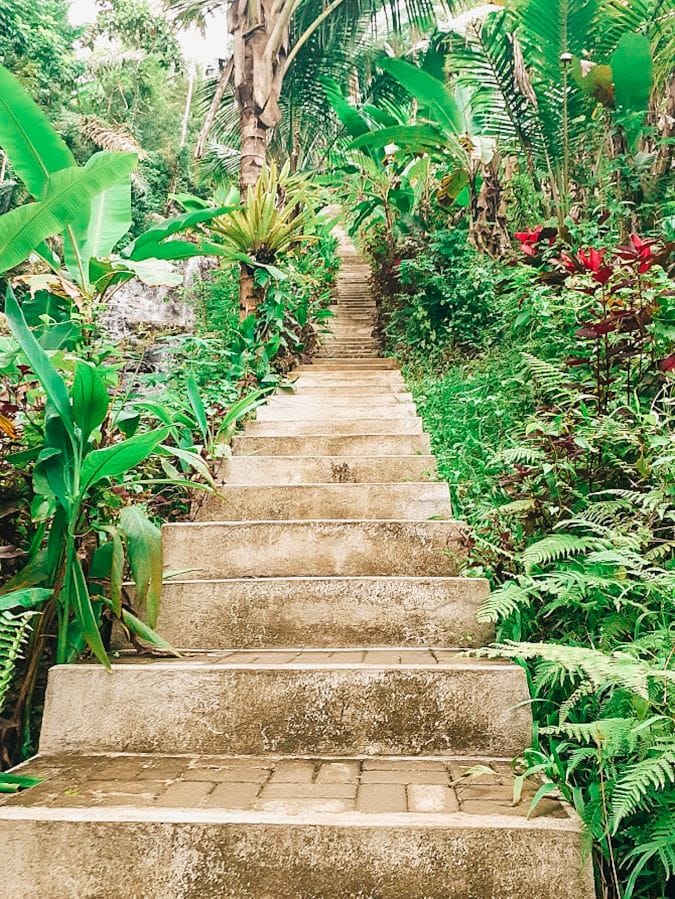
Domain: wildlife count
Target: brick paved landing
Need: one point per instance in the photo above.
(285, 785)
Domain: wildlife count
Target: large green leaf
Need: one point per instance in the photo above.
(86, 620)
(197, 405)
(154, 272)
(350, 117)
(428, 91)
(119, 458)
(175, 250)
(412, 137)
(160, 232)
(144, 550)
(104, 220)
(51, 381)
(90, 399)
(633, 72)
(32, 146)
(67, 193)
(110, 219)
(28, 598)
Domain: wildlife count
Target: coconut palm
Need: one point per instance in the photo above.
(286, 41)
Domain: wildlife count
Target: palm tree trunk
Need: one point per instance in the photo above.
(253, 147)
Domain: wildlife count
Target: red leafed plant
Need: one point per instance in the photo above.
(617, 318)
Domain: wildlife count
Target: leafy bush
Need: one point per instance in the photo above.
(447, 293)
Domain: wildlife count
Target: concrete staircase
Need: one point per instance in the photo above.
(313, 740)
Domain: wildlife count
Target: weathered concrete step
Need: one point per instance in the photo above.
(348, 314)
(300, 409)
(415, 502)
(352, 331)
(316, 612)
(363, 380)
(328, 445)
(364, 427)
(340, 396)
(350, 365)
(315, 548)
(233, 827)
(336, 354)
(327, 469)
(391, 701)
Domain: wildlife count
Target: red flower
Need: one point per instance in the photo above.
(529, 239)
(640, 253)
(590, 260)
(668, 364)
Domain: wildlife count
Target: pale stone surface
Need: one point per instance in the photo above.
(303, 703)
(315, 548)
(341, 612)
(329, 427)
(414, 502)
(269, 470)
(343, 445)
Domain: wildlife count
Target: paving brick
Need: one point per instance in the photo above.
(381, 798)
(185, 794)
(229, 775)
(293, 772)
(338, 772)
(431, 798)
(308, 791)
(232, 795)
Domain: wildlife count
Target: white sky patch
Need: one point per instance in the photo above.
(459, 22)
(199, 48)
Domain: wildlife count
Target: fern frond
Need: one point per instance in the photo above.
(633, 789)
(503, 602)
(557, 547)
(14, 632)
(559, 663)
(523, 455)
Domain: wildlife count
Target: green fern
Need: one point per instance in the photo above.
(656, 845)
(14, 632)
(560, 665)
(503, 602)
(637, 785)
(557, 547)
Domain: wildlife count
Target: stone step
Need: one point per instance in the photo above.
(331, 701)
(351, 331)
(339, 396)
(269, 470)
(363, 380)
(351, 315)
(329, 445)
(383, 502)
(353, 364)
(335, 353)
(317, 612)
(252, 827)
(300, 409)
(315, 548)
(329, 428)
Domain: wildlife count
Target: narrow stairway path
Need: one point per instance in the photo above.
(312, 741)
